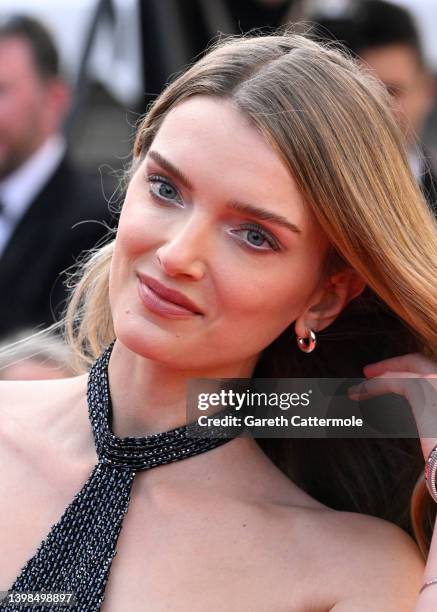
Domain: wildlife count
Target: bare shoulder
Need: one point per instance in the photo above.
(360, 563)
(379, 565)
(18, 392)
(29, 408)
(19, 398)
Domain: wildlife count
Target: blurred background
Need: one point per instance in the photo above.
(75, 77)
(118, 54)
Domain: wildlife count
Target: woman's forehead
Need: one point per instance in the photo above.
(215, 147)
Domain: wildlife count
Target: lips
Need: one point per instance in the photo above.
(171, 296)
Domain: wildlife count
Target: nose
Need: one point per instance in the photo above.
(183, 252)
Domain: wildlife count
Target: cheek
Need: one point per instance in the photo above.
(419, 105)
(134, 248)
(137, 240)
(259, 302)
(13, 115)
(142, 225)
(19, 125)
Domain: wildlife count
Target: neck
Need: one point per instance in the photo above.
(149, 397)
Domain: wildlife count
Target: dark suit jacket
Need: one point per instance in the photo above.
(47, 240)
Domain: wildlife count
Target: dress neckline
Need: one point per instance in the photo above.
(145, 452)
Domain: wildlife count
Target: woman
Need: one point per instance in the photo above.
(269, 193)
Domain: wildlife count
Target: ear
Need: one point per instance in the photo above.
(429, 85)
(58, 100)
(328, 302)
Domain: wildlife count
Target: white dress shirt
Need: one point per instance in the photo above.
(19, 189)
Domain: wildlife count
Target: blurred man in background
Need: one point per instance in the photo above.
(385, 37)
(44, 201)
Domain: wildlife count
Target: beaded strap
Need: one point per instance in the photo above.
(76, 555)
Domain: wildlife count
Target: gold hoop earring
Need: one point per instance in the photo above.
(309, 343)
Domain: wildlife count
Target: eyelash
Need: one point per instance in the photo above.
(153, 179)
(260, 230)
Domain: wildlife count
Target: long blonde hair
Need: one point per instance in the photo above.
(331, 124)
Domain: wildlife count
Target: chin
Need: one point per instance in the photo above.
(151, 342)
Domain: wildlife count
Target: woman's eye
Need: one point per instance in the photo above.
(162, 189)
(257, 238)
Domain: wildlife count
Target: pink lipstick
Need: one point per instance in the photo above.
(164, 301)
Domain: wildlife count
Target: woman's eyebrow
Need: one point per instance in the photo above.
(167, 165)
(263, 215)
(248, 209)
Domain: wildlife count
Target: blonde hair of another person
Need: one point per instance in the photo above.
(30, 356)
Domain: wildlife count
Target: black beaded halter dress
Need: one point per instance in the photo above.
(76, 555)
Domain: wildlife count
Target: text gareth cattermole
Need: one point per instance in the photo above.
(279, 421)
(237, 400)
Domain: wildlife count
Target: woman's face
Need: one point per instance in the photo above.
(213, 213)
